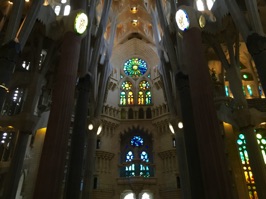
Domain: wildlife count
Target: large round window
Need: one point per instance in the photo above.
(135, 67)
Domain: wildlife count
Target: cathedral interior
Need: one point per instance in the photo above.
(132, 99)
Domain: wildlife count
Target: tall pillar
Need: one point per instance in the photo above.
(52, 163)
(190, 140)
(76, 163)
(213, 161)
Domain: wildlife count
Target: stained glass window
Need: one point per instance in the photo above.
(148, 97)
(144, 94)
(130, 169)
(123, 98)
(126, 94)
(135, 67)
(129, 196)
(141, 98)
(250, 90)
(130, 98)
(129, 156)
(144, 85)
(127, 85)
(226, 91)
(137, 157)
(145, 196)
(136, 141)
(246, 167)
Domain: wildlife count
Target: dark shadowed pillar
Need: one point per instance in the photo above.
(76, 163)
(52, 163)
(217, 184)
(190, 139)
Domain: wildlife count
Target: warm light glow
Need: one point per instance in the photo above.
(134, 9)
(99, 129)
(42, 130)
(9, 2)
(171, 128)
(27, 0)
(134, 22)
(90, 127)
(180, 125)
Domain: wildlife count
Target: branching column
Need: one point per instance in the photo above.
(214, 166)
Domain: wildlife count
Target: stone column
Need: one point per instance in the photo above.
(213, 161)
(52, 162)
(193, 186)
(76, 165)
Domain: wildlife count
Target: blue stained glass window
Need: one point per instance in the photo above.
(129, 156)
(136, 141)
(144, 156)
(135, 67)
(226, 91)
(250, 90)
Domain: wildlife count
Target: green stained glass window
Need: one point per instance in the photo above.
(148, 97)
(123, 98)
(135, 67)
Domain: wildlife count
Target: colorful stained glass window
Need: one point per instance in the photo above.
(127, 85)
(144, 85)
(135, 67)
(144, 94)
(126, 94)
(246, 167)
